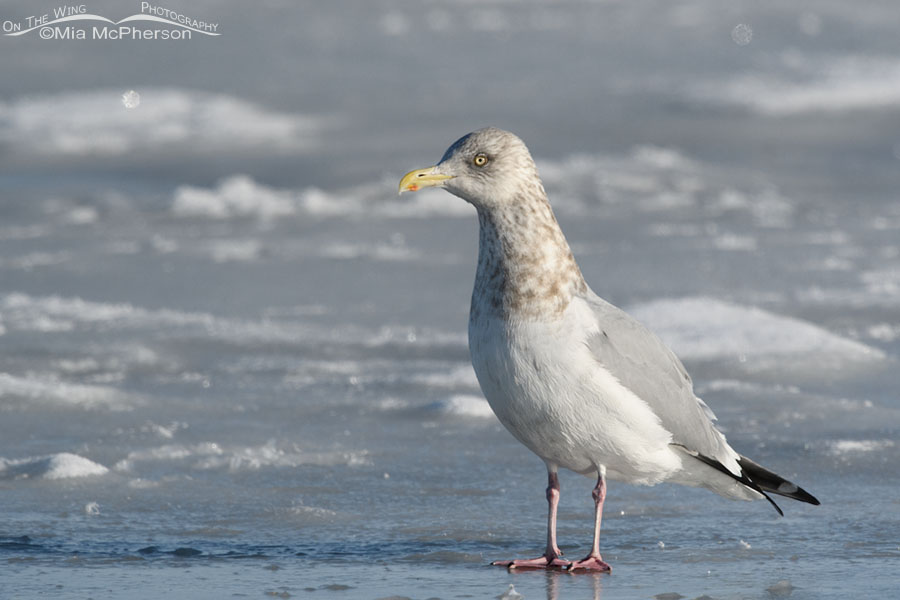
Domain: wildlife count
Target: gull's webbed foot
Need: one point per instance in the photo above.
(591, 562)
(547, 561)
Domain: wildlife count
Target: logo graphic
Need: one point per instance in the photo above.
(154, 22)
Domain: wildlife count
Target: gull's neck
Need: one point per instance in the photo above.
(525, 267)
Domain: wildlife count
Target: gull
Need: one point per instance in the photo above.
(575, 379)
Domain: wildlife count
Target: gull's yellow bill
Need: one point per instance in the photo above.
(421, 178)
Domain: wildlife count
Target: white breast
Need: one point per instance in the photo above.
(551, 394)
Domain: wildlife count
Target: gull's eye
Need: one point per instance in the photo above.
(480, 160)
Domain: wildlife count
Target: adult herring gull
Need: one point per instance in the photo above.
(578, 381)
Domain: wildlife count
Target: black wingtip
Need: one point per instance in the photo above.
(802, 495)
(773, 483)
(762, 480)
(772, 502)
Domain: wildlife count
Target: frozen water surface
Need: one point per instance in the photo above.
(233, 362)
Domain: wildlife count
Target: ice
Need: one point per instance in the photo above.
(460, 376)
(653, 178)
(236, 196)
(864, 83)
(270, 455)
(239, 196)
(662, 158)
(77, 123)
(23, 232)
(232, 255)
(162, 431)
(734, 242)
(29, 262)
(27, 313)
(877, 287)
(82, 215)
(211, 455)
(234, 250)
(350, 251)
(301, 513)
(849, 447)
(463, 405)
(168, 453)
(32, 391)
(885, 332)
(706, 328)
(63, 465)
(57, 314)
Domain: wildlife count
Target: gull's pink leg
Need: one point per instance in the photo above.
(551, 558)
(593, 561)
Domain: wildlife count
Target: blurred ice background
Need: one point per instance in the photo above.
(233, 361)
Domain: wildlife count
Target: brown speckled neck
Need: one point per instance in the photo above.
(525, 266)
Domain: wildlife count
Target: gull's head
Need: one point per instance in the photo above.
(489, 168)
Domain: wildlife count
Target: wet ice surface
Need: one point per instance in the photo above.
(238, 366)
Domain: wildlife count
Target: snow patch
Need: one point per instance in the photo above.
(210, 455)
(50, 314)
(648, 179)
(93, 123)
(32, 260)
(735, 242)
(54, 313)
(701, 328)
(354, 251)
(54, 466)
(314, 512)
(845, 84)
(464, 405)
(460, 376)
(844, 447)
(235, 196)
(48, 389)
(233, 250)
(241, 197)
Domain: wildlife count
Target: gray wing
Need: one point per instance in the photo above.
(647, 367)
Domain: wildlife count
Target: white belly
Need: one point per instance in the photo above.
(553, 396)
